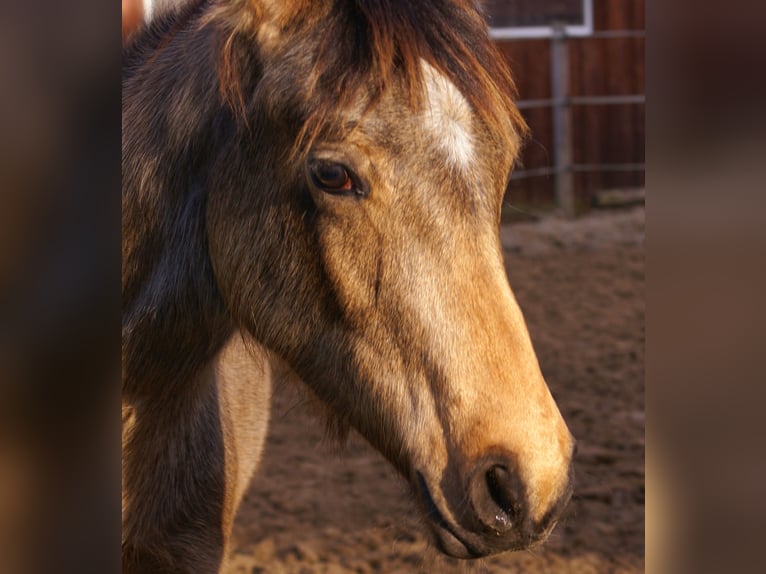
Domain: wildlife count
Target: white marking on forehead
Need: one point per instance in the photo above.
(448, 118)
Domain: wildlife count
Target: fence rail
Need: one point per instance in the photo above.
(561, 104)
(582, 101)
(618, 34)
(577, 168)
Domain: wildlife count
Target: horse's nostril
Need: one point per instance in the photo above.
(497, 496)
(502, 489)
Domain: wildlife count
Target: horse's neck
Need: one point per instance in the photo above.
(244, 373)
(232, 393)
(187, 464)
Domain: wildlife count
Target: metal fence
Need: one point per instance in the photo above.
(561, 103)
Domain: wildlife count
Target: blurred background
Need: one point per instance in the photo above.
(580, 74)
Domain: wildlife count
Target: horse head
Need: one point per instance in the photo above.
(353, 230)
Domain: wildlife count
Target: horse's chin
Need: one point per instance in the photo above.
(450, 545)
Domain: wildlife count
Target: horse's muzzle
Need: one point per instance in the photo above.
(493, 515)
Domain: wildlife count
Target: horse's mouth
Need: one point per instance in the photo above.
(447, 540)
(457, 542)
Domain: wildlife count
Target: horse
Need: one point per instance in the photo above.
(311, 190)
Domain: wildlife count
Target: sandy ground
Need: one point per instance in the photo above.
(315, 508)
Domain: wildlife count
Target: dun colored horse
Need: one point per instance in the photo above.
(311, 190)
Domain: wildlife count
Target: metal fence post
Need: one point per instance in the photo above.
(562, 121)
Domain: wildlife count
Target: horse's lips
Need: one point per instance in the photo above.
(456, 546)
(446, 538)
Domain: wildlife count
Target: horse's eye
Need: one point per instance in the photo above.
(331, 177)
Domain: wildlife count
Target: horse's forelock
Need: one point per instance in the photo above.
(361, 47)
(367, 44)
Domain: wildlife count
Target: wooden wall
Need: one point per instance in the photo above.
(601, 134)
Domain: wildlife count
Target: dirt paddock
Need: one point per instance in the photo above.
(315, 508)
